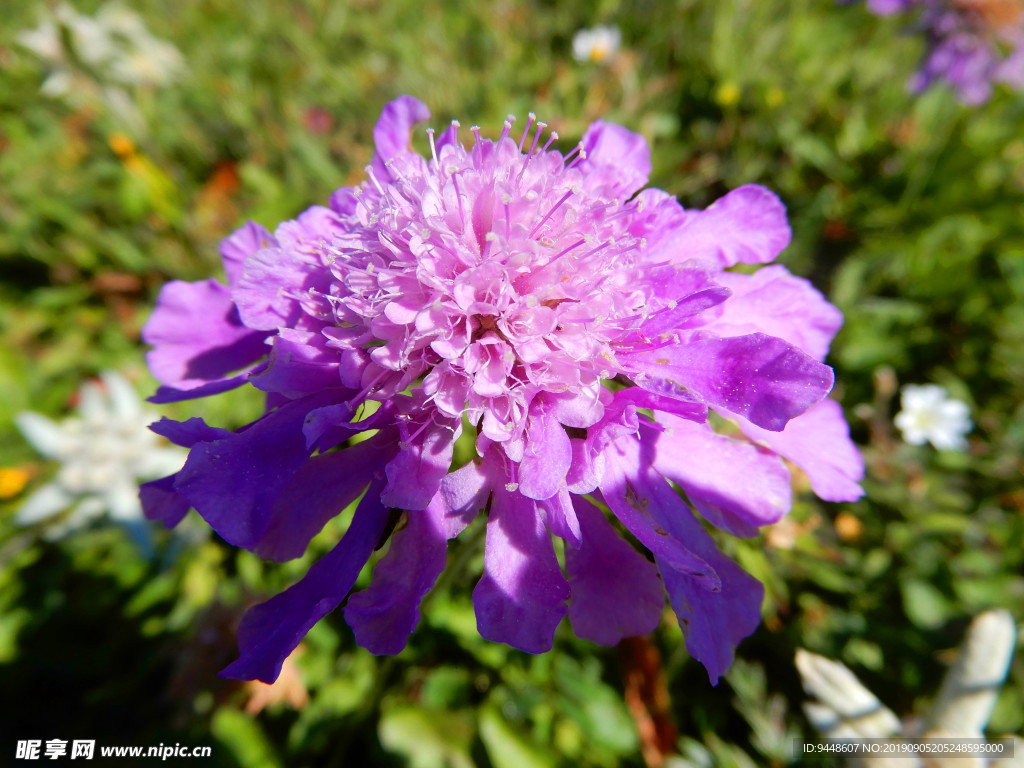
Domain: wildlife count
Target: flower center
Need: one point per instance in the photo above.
(487, 275)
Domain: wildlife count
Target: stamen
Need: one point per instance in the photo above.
(573, 191)
(506, 128)
(512, 486)
(458, 196)
(456, 124)
(369, 172)
(577, 148)
(404, 444)
(526, 132)
(433, 149)
(581, 156)
(536, 136)
(476, 134)
(551, 139)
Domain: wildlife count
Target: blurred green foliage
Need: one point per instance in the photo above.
(908, 212)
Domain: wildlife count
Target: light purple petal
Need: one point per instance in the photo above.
(560, 517)
(384, 614)
(775, 302)
(616, 592)
(415, 473)
(635, 502)
(267, 291)
(734, 484)
(746, 226)
(522, 596)
(716, 615)
(393, 131)
(759, 377)
(271, 631)
(819, 443)
(198, 338)
(616, 157)
(713, 623)
(463, 493)
(587, 469)
(240, 245)
(681, 403)
(547, 457)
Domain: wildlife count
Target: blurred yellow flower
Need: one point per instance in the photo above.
(727, 94)
(12, 481)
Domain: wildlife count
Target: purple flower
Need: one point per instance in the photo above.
(580, 326)
(972, 44)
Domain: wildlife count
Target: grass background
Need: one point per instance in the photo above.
(908, 212)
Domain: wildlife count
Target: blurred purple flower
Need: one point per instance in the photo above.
(972, 44)
(551, 305)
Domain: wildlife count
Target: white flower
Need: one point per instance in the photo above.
(104, 450)
(114, 47)
(929, 413)
(597, 44)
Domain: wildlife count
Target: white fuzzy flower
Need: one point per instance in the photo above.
(114, 46)
(598, 44)
(929, 413)
(104, 450)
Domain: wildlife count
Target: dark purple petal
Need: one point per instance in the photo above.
(759, 377)
(384, 614)
(233, 482)
(774, 302)
(198, 339)
(300, 364)
(240, 245)
(318, 491)
(547, 456)
(616, 592)
(819, 443)
(326, 427)
(164, 395)
(160, 501)
(746, 226)
(415, 473)
(393, 131)
(522, 596)
(734, 484)
(271, 631)
(189, 432)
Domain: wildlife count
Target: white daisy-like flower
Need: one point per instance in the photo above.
(598, 44)
(930, 414)
(104, 451)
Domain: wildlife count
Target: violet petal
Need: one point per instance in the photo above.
(271, 631)
(522, 596)
(616, 592)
